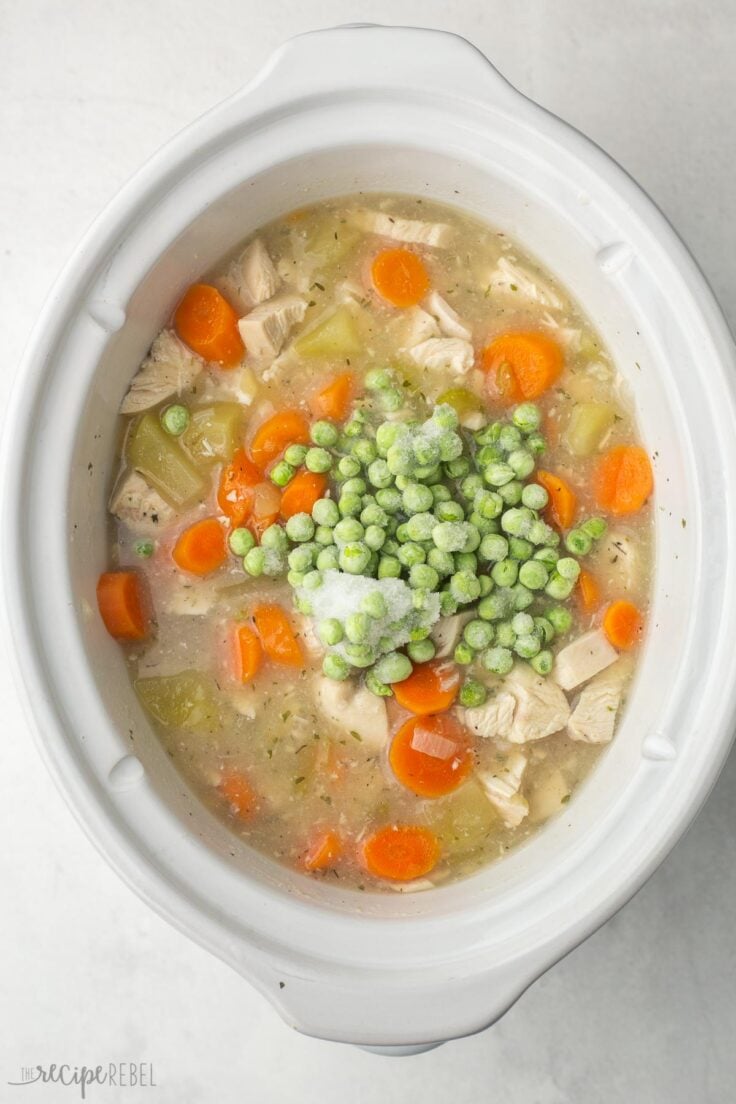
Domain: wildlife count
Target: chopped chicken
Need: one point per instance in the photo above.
(502, 787)
(415, 325)
(244, 702)
(618, 556)
(252, 278)
(494, 718)
(448, 320)
(169, 369)
(437, 234)
(190, 599)
(541, 707)
(583, 658)
(508, 276)
(548, 796)
(354, 709)
(567, 336)
(268, 325)
(473, 420)
(444, 352)
(594, 717)
(446, 633)
(140, 507)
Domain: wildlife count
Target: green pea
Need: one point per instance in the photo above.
(542, 662)
(595, 527)
(488, 504)
(349, 504)
(313, 580)
(387, 434)
(357, 627)
(494, 606)
(440, 493)
(145, 548)
(544, 629)
(355, 426)
(450, 536)
(464, 586)
(295, 578)
(560, 619)
(449, 511)
(417, 498)
(448, 605)
(254, 561)
(442, 562)
(527, 417)
(478, 634)
(489, 454)
(335, 667)
(558, 587)
(328, 559)
(390, 546)
(421, 651)
(517, 522)
(499, 661)
(389, 499)
(295, 454)
(420, 633)
(378, 379)
(486, 585)
(489, 434)
(466, 561)
(299, 528)
(365, 451)
(399, 458)
(521, 597)
(282, 473)
(318, 460)
(420, 598)
(323, 535)
(522, 624)
(373, 514)
(347, 466)
(426, 450)
(393, 667)
(374, 605)
(527, 645)
(379, 474)
(568, 568)
(505, 635)
(520, 549)
(451, 447)
(511, 493)
(548, 556)
(380, 689)
(536, 443)
(422, 575)
(498, 474)
(445, 416)
(539, 532)
(275, 537)
(534, 496)
(301, 559)
(533, 575)
(325, 512)
(375, 537)
(420, 526)
(360, 655)
(472, 694)
(391, 399)
(463, 654)
(330, 631)
(483, 525)
(458, 468)
(389, 567)
(578, 542)
(505, 573)
(509, 438)
(411, 553)
(470, 487)
(175, 419)
(348, 529)
(324, 433)
(354, 557)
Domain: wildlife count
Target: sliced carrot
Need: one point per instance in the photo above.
(623, 480)
(239, 794)
(333, 401)
(206, 322)
(122, 604)
(248, 653)
(400, 277)
(623, 624)
(401, 852)
(430, 688)
(563, 502)
(324, 852)
(201, 548)
(236, 489)
(277, 636)
(589, 591)
(431, 775)
(302, 492)
(521, 365)
(272, 436)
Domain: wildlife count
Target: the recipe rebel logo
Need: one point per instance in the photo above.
(123, 1075)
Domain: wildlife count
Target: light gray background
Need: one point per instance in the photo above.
(646, 1009)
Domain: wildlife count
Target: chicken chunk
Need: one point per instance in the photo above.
(508, 276)
(451, 353)
(254, 275)
(448, 320)
(437, 234)
(169, 369)
(541, 707)
(548, 796)
(190, 598)
(503, 788)
(583, 658)
(414, 326)
(446, 633)
(493, 719)
(594, 717)
(618, 556)
(268, 325)
(140, 507)
(355, 709)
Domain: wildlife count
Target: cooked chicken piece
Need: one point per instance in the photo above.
(583, 658)
(415, 325)
(568, 336)
(244, 702)
(355, 709)
(444, 352)
(438, 234)
(508, 276)
(473, 420)
(493, 719)
(268, 325)
(503, 787)
(548, 796)
(619, 557)
(169, 369)
(140, 507)
(257, 279)
(541, 707)
(448, 320)
(446, 633)
(190, 599)
(594, 717)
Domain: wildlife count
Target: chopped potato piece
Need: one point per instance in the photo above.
(212, 434)
(462, 820)
(163, 462)
(186, 700)
(589, 423)
(336, 336)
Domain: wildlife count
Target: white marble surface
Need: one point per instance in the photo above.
(645, 1011)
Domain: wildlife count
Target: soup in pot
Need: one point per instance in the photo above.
(380, 542)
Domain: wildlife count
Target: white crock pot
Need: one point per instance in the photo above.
(372, 108)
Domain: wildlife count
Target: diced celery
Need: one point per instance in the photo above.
(331, 241)
(463, 400)
(463, 820)
(337, 336)
(161, 459)
(588, 425)
(187, 700)
(213, 432)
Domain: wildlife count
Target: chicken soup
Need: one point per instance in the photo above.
(380, 542)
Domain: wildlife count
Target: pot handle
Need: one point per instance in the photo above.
(365, 56)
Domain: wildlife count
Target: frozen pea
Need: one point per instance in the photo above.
(458, 468)
(411, 553)
(389, 567)
(325, 512)
(375, 537)
(275, 537)
(472, 538)
(533, 575)
(419, 598)
(399, 458)
(295, 454)
(521, 463)
(348, 467)
(521, 596)
(402, 533)
(360, 655)
(390, 546)
(464, 587)
(451, 447)
(387, 434)
(463, 654)
(379, 474)
(448, 605)
(348, 529)
(505, 573)
(478, 634)
(568, 568)
(378, 379)
(145, 548)
(324, 434)
(241, 541)
(282, 473)
(441, 493)
(511, 493)
(542, 662)
(520, 549)
(539, 532)
(357, 627)
(578, 542)
(595, 527)
(355, 426)
(295, 578)
(489, 504)
(254, 561)
(470, 487)
(483, 525)
(426, 450)
(442, 562)
(420, 526)
(472, 694)
(313, 580)
(466, 561)
(527, 645)
(330, 631)
(303, 604)
(349, 504)
(517, 522)
(175, 419)
(445, 416)
(380, 689)
(527, 417)
(447, 510)
(489, 454)
(365, 451)
(355, 485)
(401, 482)
(547, 555)
(324, 535)
(522, 624)
(354, 557)
(544, 629)
(299, 528)
(422, 575)
(301, 559)
(486, 585)
(328, 559)
(498, 474)
(534, 496)
(509, 438)
(374, 604)
(494, 606)
(537, 443)
(420, 633)
(560, 619)
(421, 651)
(393, 667)
(450, 536)
(335, 667)
(558, 587)
(489, 434)
(389, 499)
(417, 498)
(391, 399)
(505, 635)
(499, 661)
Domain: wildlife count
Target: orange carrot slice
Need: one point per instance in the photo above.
(430, 688)
(521, 366)
(237, 483)
(122, 605)
(400, 277)
(239, 794)
(272, 436)
(248, 653)
(333, 401)
(623, 624)
(563, 502)
(324, 852)
(401, 852)
(589, 591)
(206, 322)
(277, 636)
(201, 548)
(302, 492)
(623, 480)
(431, 756)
